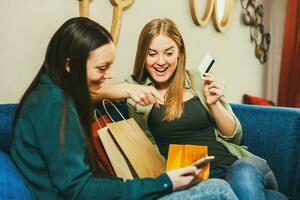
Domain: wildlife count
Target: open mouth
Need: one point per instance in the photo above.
(160, 69)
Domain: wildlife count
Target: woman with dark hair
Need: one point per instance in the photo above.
(53, 146)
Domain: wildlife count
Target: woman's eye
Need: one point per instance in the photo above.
(169, 54)
(102, 68)
(152, 54)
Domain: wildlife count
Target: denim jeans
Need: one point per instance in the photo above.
(211, 189)
(250, 178)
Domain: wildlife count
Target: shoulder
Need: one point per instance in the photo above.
(194, 73)
(194, 77)
(42, 110)
(146, 81)
(129, 79)
(45, 98)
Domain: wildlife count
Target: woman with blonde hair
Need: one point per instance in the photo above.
(190, 109)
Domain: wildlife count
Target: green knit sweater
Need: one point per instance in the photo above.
(52, 174)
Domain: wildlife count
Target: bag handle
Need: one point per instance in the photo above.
(108, 101)
(95, 117)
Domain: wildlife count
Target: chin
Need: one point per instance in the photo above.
(160, 79)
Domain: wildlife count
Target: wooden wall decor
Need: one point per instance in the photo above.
(84, 8)
(118, 7)
(253, 17)
(212, 10)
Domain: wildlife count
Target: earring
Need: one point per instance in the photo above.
(67, 66)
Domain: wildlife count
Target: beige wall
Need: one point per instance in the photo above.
(26, 27)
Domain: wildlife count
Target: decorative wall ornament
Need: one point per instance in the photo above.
(118, 7)
(84, 8)
(253, 17)
(220, 10)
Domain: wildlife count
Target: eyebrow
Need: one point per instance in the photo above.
(165, 50)
(103, 64)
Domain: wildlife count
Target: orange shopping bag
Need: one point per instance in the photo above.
(184, 155)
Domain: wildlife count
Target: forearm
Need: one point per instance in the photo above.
(112, 91)
(143, 95)
(146, 188)
(224, 121)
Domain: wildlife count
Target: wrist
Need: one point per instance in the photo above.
(214, 104)
(128, 90)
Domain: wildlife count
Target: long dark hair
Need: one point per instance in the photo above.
(70, 46)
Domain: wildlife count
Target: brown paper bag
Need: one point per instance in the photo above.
(120, 164)
(125, 140)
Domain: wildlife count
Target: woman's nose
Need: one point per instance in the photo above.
(108, 73)
(161, 61)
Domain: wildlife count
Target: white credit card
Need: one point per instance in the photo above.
(206, 64)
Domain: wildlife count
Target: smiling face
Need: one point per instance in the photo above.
(98, 68)
(161, 61)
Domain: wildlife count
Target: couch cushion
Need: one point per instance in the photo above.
(12, 185)
(7, 112)
(273, 133)
(254, 100)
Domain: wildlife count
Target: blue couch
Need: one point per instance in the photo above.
(272, 133)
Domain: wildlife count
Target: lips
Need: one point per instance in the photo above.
(160, 69)
(97, 84)
(101, 83)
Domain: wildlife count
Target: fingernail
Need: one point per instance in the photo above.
(156, 105)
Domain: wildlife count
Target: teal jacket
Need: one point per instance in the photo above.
(52, 174)
(193, 84)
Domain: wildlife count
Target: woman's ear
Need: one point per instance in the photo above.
(67, 65)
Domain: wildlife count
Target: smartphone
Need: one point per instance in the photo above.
(206, 64)
(203, 161)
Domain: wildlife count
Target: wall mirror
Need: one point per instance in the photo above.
(222, 14)
(201, 11)
(219, 10)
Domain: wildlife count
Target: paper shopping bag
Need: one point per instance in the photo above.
(118, 160)
(125, 139)
(185, 155)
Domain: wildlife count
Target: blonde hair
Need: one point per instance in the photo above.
(174, 94)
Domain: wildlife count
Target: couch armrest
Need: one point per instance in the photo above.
(273, 133)
(12, 185)
(7, 112)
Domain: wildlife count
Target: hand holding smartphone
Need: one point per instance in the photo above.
(203, 161)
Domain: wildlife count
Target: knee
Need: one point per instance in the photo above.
(275, 195)
(211, 189)
(215, 189)
(242, 169)
(217, 183)
(215, 186)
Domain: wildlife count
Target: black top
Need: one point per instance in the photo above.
(195, 127)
